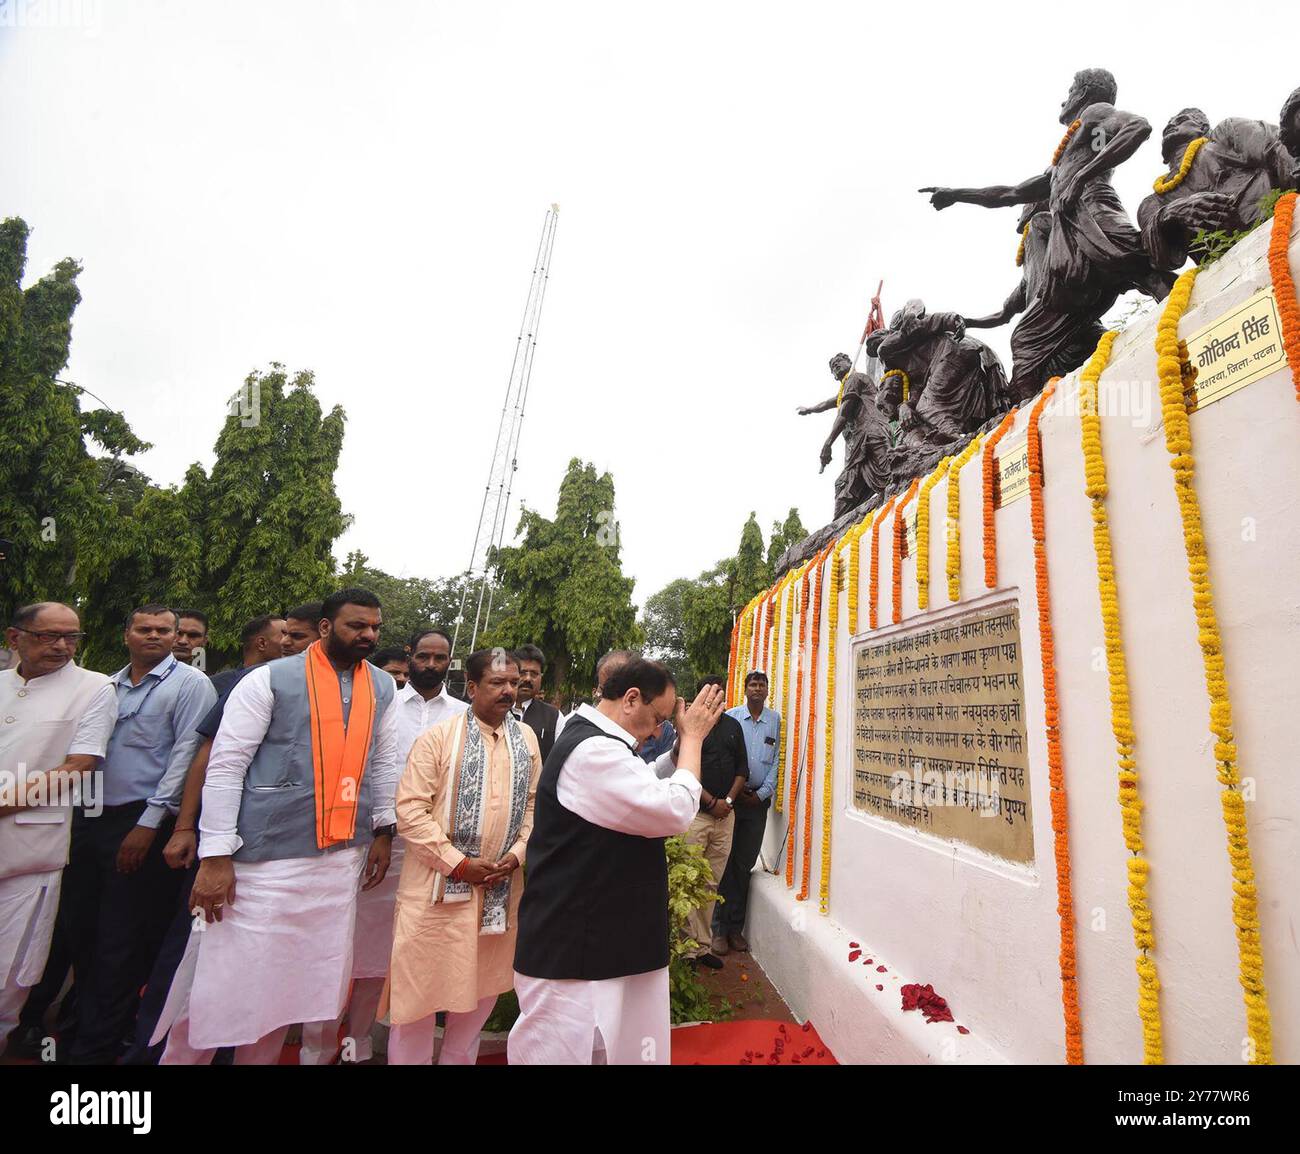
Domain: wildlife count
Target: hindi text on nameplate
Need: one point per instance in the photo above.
(1237, 348)
(939, 742)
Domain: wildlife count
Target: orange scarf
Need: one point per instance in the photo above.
(338, 754)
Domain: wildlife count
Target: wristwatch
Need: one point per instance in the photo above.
(389, 830)
(729, 802)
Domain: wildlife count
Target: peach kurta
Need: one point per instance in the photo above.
(440, 960)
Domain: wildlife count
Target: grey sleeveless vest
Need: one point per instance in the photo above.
(277, 814)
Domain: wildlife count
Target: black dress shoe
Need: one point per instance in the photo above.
(711, 960)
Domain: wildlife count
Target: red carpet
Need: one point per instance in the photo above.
(751, 1043)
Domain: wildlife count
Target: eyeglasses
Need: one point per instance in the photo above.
(51, 638)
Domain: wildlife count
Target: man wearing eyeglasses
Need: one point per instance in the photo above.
(55, 721)
(119, 893)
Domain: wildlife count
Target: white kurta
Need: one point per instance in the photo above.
(618, 1020)
(43, 721)
(283, 950)
(376, 907)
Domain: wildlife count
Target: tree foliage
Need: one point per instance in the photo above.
(688, 622)
(571, 596)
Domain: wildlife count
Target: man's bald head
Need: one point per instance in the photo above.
(45, 636)
(608, 665)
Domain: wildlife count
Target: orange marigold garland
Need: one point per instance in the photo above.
(1065, 140)
(954, 517)
(990, 483)
(795, 748)
(1245, 901)
(873, 589)
(1139, 868)
(923, 534)
(731, 657)
(808, 773)
(1279, 266)
(828, 771)
(900, 547)
(1052, 724)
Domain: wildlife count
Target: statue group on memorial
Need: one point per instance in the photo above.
(928, 386)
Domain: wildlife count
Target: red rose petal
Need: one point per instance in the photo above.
(854, 955)
(853, 945)
(881, 970)
(962, 1030)
(880, 987)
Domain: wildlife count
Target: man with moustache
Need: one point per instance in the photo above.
(591, 967)
(191, 637)
(118, 893)
(301, 627)
(421, 704)
(465, 809)
(298, 802)
(55, 722)
(393, 660)
(541, 717)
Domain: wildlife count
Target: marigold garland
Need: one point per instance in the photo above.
(787, 633)
(855, 552)
(1065, 140)
(795, 748)
(954, 517)
(990, 483)
(1279, 267)
(900, 547)
(873, 589)
(808, 773)
(1164, 183)
(731, 656)
(1020, 249)
(923, 534)
(828, 771)
(1130, 802)
(907, 382)
(1178, 440)
(1052, 725)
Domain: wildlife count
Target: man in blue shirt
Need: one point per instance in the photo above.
(762, 729)
(119, 893)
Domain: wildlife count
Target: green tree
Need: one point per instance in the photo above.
(55, 496)
(791, 532)
(572, 597)
(664, 624)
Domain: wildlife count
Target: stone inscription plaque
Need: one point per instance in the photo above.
(939, 740)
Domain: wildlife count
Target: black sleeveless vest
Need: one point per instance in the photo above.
(595, 903)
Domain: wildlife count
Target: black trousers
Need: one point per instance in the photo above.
(164, 969)
(746, 841)
(115, 924)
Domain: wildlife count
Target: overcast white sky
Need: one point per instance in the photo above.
(358, 189)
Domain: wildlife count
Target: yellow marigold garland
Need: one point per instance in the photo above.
(990, 483)
(900, 546)
(873, 588)
(1279, 267)
(828, 774)
(923, 534)
(808, 772)
(954, 518)
(855, 552)
(792, 591)
(1020, 250)
(1165, 183)
(1178, 440)
(1094, 468)
(1052, 725)
(792, 799)
(907, 381)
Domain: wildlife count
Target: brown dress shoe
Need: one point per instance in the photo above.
(719, 945)
(736, 940)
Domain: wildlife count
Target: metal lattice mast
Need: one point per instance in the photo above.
(505, 456)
